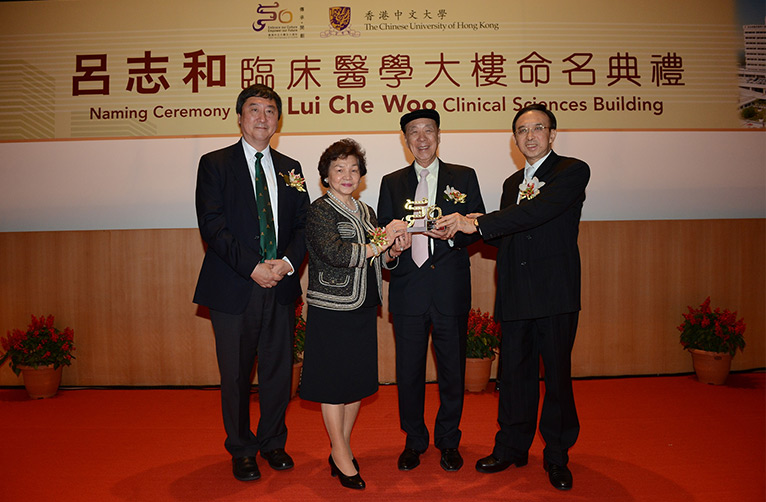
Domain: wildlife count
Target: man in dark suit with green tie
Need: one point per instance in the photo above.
(251, 210)
(538, 295)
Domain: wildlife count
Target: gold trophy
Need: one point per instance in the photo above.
(421, 212)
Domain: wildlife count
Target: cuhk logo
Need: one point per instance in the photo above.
(340, 17)
(340, 22)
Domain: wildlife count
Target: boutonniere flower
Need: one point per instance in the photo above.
(295, 181)
(529, 189)
(377, 238)
(454, 195)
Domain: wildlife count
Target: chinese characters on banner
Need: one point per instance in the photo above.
(476, 66)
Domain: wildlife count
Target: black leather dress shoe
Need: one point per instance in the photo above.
(354, 482)
(451, 459)
(559, 475)
(245, 468)
(491, 464)
(278, 459)
(409, 459)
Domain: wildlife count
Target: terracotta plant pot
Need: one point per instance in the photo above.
(477, 372)
(41, 382)
(711, 367)
(297, 367)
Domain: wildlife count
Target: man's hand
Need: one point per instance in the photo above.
(279, 267)
(456, 222)
(265, 276)
(438, 232)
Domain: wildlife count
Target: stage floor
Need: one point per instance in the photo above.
(653, 439)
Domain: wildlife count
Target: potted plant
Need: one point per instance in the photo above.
(482, 343)
(39, 353)
(299, 339)
(712, 336)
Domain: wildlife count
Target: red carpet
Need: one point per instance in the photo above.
(654, 439)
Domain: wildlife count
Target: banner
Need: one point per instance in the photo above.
(102, 69)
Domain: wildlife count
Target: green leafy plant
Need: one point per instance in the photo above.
(483, 337)
(300, 333)
(712, 330)
(40, 345)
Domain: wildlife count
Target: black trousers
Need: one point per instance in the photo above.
(449, 339)
(524, 342)
(264, 329)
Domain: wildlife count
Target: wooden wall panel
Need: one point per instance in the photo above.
(639, 276)
(127, 294)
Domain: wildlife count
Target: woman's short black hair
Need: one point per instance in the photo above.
(340, 150)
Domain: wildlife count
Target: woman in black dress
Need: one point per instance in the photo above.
(346, 251)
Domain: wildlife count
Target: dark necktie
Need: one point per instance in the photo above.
(265, 215)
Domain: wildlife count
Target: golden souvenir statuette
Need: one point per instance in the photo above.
(421, 210)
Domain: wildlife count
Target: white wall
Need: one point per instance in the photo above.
(149, 183)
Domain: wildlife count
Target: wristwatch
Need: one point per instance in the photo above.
(476, 225)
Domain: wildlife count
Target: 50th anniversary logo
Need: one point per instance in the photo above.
(278, 22)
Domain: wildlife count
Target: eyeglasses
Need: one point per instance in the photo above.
(538, 129)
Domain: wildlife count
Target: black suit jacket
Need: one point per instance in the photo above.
(538, 261)
(228, 221)
(445, 279)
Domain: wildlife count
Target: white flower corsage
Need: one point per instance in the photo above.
(529, 189)
(454, 195)
(295, 181)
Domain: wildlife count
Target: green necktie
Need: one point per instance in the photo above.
(265, 215)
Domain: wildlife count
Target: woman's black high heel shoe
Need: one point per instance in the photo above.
(354, 482)
(353, 461)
